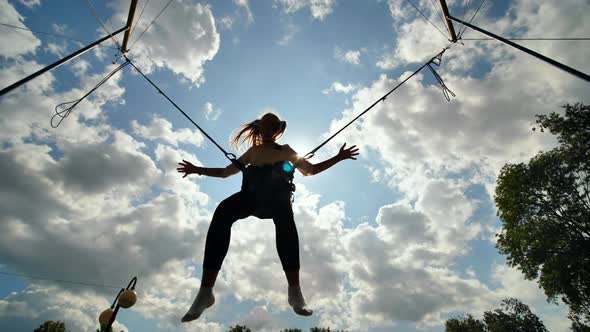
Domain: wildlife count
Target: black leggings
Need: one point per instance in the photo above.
(241, 205)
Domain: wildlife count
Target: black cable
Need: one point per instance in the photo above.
(72, 104)
(52, 34)
(95, 13)
(472, 17)
(542, 39)
(465, 9)
(446, 91)
(436, 60)
(140, 15)
(228, 155)
(434, 25)
(152, 22)
(440, 15)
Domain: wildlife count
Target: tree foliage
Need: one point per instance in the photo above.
(544, 207)
(517, 317)
(239, 328)
(51, 326)
(464, 324)
(579, 327)
(513, 316)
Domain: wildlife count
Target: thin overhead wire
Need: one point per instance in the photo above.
(465, 9)
(472, 17)
(426, 17)
(52, 34)
(152, 22)
(95, 13)
(109, 20)
(162, 309)
(64, 281)
(440, 16)
(81, 283)
(140, 14)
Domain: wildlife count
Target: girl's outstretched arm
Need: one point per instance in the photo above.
(306, 168)
(219, 172)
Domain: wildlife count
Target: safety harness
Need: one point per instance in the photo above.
(271, 185)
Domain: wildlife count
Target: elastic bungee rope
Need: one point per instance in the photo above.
(62, 114)
(232, 157)
(435, 60)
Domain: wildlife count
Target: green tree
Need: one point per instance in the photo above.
(323, 329)
(513, 316)
(464, 324)
(239, 328)
(51, 326)
(544, 207)
(291, 330)
(517, 318)
(579, 327)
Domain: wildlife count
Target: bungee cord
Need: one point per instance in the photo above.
(440, 15)
(436, 60)
(152, 22)
(140, 15)
(465, 9)
(70, 105)
(472, 17)
(446, 91)
(53, 35)
(95, 13)
(426, 17)
(232, 157)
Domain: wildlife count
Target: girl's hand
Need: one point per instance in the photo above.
(188, 168)
(349, 153)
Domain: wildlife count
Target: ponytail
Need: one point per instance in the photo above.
(249, 133)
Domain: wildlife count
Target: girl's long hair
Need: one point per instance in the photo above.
(250, 133)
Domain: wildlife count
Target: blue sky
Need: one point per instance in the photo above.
(399, 240)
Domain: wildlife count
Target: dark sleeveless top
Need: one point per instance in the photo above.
(271, 185)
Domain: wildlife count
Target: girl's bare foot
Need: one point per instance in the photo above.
(204, 300)
(297, 301)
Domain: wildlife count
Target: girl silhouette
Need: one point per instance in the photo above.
(266, 193)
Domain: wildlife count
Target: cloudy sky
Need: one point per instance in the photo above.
(399, 240)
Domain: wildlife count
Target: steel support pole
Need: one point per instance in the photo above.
(445, 9)
(526, 50)
(59, 62)
(129, 23)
